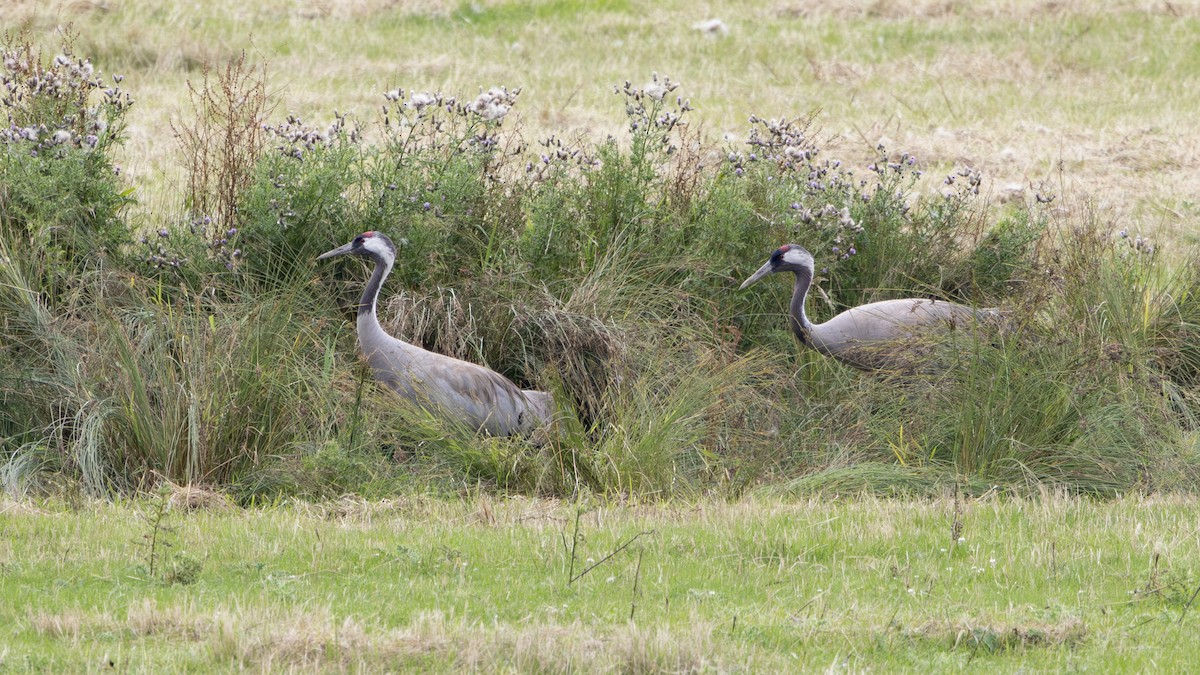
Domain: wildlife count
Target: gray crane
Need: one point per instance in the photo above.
(876, 336)
(463, 392)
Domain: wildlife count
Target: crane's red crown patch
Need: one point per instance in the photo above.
(369, 233)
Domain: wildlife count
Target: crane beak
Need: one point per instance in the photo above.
(754, 278)
(341, 250)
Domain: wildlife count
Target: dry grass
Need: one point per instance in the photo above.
(972, 636)
(287, 640)
(68, 625)
(932, 9)
(194, 497)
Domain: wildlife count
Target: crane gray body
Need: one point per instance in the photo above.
(463, 392)
(875, 336)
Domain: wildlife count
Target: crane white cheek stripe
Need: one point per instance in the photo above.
(379, 247)
(798, 257)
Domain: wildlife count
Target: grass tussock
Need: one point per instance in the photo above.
(208, 348)
(991, 639)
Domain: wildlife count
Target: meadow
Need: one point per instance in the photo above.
(521, 585)
(199, 468)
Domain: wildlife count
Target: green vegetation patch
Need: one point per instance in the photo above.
(209, 347)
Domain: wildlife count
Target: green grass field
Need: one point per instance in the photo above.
(483, 584)
(711, 496)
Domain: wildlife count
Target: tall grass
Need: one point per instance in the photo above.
(211, 349)
(200, 397)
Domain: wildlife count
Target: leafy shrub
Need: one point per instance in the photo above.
(299, 198)
(1006, 254)
(59, 191)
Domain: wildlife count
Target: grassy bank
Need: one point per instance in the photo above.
(188, 347)
(486, 584)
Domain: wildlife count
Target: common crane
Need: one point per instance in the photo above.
(877, 336)
(463, 392)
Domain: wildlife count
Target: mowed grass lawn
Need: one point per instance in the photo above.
(484, 584)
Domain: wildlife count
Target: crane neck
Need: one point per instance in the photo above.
(370, 297)
(801, 326)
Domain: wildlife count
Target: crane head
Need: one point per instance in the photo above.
(368, 245)
(786, 258)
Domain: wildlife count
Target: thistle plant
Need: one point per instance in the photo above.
(51, 106)
(304, 195)
(58, 187)
(427, 125)
(557, 158)
(654, 123)
(814, 199)
(186, 250)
